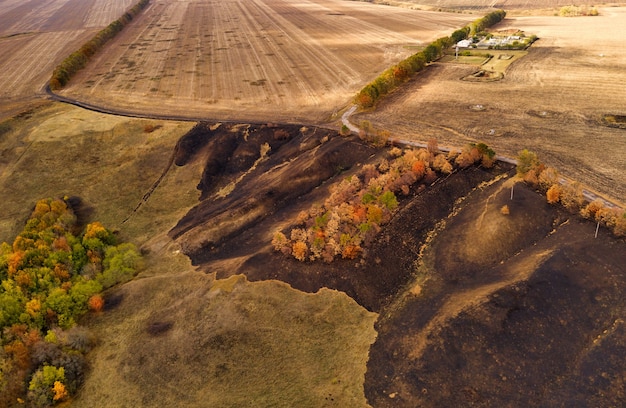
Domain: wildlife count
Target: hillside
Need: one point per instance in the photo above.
(448, 266)
(471, 291)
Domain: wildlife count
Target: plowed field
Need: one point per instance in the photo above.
(36, 35)
(254, 59)
(551, 101)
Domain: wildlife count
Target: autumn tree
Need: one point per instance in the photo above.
(41, 390)
(300, 250)
(48, 281)
(526, 161)
(554, 194)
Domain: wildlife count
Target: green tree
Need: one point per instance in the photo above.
(60, 302)
(41, 387)
(120, 264)
(389, 200)
(81, 292)
(526, 161)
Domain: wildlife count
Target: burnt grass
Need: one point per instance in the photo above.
(524, 309)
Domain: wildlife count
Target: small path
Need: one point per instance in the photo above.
(587, 194)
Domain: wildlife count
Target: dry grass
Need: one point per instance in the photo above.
(551, 101)
(175, 336)
(262, 60)
(216, 344)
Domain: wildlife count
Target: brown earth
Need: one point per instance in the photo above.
(36, 35)
(260, 60)
(552, 101)
(476, 307)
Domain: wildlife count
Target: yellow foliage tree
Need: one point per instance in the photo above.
(60, 393)
(554, 194)
(299, 250)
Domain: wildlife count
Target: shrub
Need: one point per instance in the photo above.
(554, 194)
(351, 252)
(300, 250)
(120, 264)
(526, 161)
(96, 303)
(40, 389)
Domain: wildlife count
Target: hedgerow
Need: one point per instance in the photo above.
(78, 59)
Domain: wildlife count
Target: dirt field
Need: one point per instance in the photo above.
(36, 35)
(256, 59)
(523, 6)
(551, 101)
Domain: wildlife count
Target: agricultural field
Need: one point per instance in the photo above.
(36, 35)
(272, 60)
(517, 6)
(551, 101)
(465, 296)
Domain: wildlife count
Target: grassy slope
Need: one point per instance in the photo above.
(233, 343)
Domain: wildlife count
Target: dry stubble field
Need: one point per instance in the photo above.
(550, 101)
(36, 35)
(265, 60)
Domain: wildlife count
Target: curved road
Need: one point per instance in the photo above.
(588, 195)
(345, 120)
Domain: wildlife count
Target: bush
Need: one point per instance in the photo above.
(40, 389)
(120, 264)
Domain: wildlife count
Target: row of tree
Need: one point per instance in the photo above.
(51, 275)
(569, 195)
(349, 219)
(405, 69)
(78, 59)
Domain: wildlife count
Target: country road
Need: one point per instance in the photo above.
(588, 195)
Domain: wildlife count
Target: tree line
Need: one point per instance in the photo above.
(78, 59)
(389, 79)
(569, 195)
(51, 275)
(346, 223)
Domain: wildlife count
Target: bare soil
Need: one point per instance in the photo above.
(37, 35)
(475, 307)
(551, 101)
(262, 60)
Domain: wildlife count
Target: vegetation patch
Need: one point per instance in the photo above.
(349, 219)
(613, 120)
(577, 11)
(51, 275)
